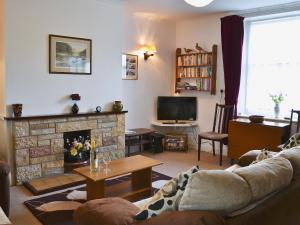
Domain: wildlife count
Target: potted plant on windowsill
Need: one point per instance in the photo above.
(277, 99)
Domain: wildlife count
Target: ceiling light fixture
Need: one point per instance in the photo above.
(198, 3)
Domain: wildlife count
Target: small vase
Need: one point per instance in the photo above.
(17, 109)
(117, 107)
(75, 108)
(276, 110)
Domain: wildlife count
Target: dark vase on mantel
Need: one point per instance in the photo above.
(75, 108)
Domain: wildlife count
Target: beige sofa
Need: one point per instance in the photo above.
(271, 196)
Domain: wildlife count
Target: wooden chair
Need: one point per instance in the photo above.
(297, 124)
(219, 133)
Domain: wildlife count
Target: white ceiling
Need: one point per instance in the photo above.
(178, 9)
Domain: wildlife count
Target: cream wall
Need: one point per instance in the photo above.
(2, 60)
(205, 30)
(155, 74)
(2, 81)
(114, 29)
(27, 79)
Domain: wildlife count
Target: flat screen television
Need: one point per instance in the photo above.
(176, 108)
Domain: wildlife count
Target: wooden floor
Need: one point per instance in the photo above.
(174, 162)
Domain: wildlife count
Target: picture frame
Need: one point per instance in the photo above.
(130, 67)
(70, 55)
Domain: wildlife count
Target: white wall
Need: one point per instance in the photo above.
(206, 31)
(155, 74)
(28, 24)
(2, 80)
(113, 29)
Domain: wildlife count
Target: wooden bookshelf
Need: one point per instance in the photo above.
(196, 68)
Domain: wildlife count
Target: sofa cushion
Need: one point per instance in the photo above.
(168, 197)
(293, 155)
(292, 142)
(267, 176)
(264, 154)
(232, 168)
(250, 157)
(108, 211)
(215, 190)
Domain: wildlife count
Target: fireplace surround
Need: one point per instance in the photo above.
(38, 141)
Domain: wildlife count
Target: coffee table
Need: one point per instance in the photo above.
(138, 187)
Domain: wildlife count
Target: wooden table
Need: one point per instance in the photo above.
(244, 136)
(136, 137)
(138, 187)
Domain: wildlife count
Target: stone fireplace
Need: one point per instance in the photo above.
(38, 141)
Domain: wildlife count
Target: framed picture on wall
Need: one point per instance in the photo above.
(70, 55)
(130, 67)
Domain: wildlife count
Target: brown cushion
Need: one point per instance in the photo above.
(108, 211)
(185, 218)
(249, 157)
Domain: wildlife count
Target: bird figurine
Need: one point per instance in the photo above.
(199, 48)
(188, 50)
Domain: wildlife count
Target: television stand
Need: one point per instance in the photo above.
(176, 122)
(182, 130)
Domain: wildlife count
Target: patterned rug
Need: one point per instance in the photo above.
(57, 209)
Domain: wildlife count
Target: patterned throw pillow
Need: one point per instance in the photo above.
(168, 197)
(264, 154)
(292, 142)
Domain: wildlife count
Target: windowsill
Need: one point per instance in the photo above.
(279, 120)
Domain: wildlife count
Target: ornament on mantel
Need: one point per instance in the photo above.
(75, 108)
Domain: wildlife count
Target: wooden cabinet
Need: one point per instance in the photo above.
(244, 136)
(196, 71)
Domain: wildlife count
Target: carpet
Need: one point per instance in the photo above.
(57, 209)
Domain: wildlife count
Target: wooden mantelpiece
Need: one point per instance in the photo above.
(51, 116)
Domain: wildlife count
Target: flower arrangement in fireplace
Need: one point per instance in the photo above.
(78, 150)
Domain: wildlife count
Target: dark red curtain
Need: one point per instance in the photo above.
(232, 30)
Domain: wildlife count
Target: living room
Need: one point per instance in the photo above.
(41, 104)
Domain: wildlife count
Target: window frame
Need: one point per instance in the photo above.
(242, 100)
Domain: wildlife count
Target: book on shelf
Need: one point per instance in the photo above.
(203, 84)
(197, 66)
(194, 72)
(194, 60)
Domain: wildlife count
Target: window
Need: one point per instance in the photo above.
(271, 65)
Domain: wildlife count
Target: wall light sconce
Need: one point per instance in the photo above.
(147, 50)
